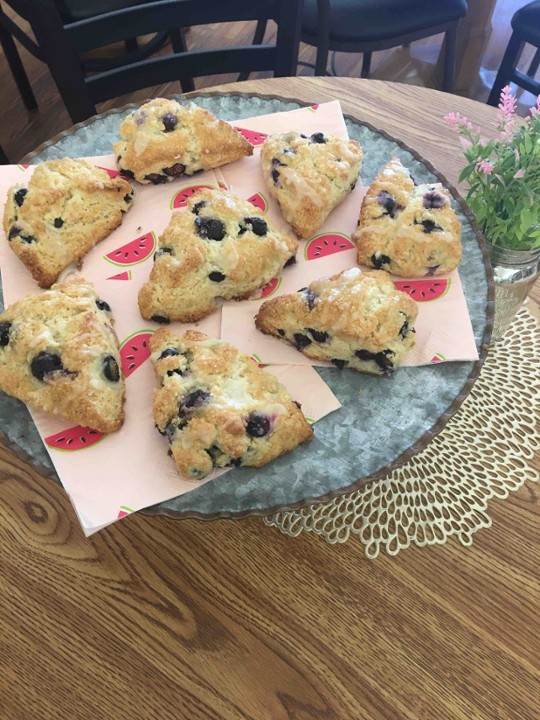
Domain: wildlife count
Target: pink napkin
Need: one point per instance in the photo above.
(129, 470)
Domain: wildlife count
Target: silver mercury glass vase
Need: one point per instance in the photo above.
(515, 272)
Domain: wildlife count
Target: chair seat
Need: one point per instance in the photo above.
(526, 22)
(373, 20)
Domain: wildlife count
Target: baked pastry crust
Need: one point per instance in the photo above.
(218, 408)
(309, 176)
(406, 229)
(219, 246)
(59, 353)
(68, 207)
(354, 319)
(163, 140)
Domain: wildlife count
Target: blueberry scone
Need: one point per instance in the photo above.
(220, 246)
(407, 229)
(309, 176)
(67, 208)
(163, 140)
(354, 319)
(59, 353)
(217, 408)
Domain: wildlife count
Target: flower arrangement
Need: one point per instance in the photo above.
(504, 175)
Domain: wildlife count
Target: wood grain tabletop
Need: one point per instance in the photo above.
(160, 619)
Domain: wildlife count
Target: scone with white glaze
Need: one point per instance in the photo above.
(353, 319)
(217, 408)
(67, 207)
(407, 229)
(59, 353)
(309, 175)
(219, 246)
(163, 140)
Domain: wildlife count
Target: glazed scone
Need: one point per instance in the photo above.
(59, 353)
(163, 140)
(406, 229)
(220, 246)
(217, 408)
(309, 176)
(354, 319)
(67, 208)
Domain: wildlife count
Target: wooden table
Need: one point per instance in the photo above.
(185, 620)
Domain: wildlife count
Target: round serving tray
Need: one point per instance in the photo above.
(383, 422)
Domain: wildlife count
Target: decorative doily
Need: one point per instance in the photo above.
(484, 452)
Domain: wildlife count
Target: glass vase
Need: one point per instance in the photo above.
(515, 272)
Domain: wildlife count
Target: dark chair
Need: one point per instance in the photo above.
(526, 29)
(3, 157)
(70, 11)
(366, 26)
(60, 45)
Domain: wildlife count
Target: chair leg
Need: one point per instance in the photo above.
(17, 69)
(3, 157)
(508, 64)
(450, 39)
(322, 55)
(366, 65)
(179, 46)
(258, 38)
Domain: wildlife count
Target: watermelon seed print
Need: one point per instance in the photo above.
(327, 244)
(424, 290)
(134, 252)
(134, 351)
(74, 438)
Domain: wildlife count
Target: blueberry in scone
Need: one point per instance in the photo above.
(59, 353)
(220, 246)
(67, 208)
(309, 175)
(353, 319)
(406, 228)
(217, 408)
(162, 140)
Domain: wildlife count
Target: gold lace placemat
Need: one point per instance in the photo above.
(484, 451)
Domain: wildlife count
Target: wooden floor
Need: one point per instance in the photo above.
(21, 131)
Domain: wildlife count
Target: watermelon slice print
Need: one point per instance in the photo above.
(424, 290)
(23, 166)
(313, 108)
(255, 138)
(180, 200)
(134, 351)
(259, 201)
(126, 275)
(113, 173)
(256, 359)
(124, 510)
(74, 438)
(326, 244)
(438, 357)
(134, 252)
(269, 289)
(222, 185)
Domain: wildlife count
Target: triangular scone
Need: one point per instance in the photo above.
(407, 229)
(354, 319)
(163, 140)
(217, 408)
(309, 176)
(59, 353)
(220, 246)
(67, 208)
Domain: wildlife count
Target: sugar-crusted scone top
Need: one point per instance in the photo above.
(219, 246)
(354, 319)
(217, 408)
(162, 140)
(59, 353)
(309, 176)
(67, 207)
(407, 229)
